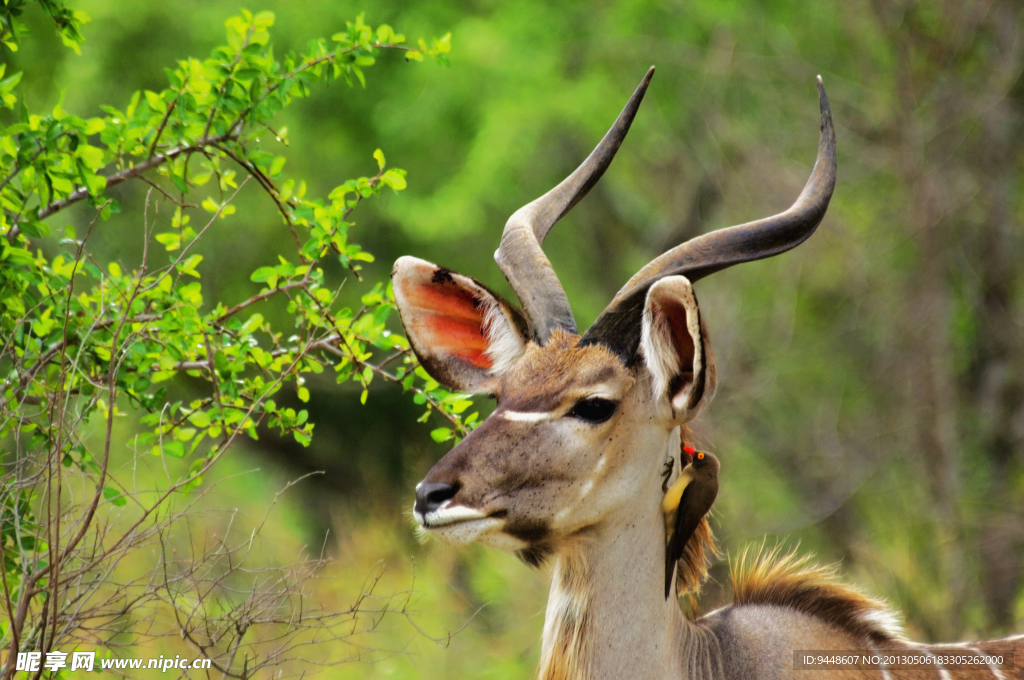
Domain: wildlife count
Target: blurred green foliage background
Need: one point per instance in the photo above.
(871, 399)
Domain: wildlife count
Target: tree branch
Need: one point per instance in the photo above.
(136, 170)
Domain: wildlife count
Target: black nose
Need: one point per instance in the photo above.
(430, 496)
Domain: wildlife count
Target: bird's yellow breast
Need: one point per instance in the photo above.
(670, 503)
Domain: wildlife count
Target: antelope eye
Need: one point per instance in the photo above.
(593, 410)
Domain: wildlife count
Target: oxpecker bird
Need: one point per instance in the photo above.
(685, 504)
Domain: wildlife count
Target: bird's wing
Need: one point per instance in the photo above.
(695, 501)
(686, 521)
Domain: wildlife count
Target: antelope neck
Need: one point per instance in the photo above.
(607, 616)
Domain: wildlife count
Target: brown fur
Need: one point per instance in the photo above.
(566, 654)
(557, 374)
(771, 577)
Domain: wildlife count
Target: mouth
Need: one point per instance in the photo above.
(459, 524)
(447, 516)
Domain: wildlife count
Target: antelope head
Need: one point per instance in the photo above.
(584, 424)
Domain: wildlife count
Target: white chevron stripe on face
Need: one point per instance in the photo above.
(527, 417)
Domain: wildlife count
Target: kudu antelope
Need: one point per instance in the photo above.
(572, 463)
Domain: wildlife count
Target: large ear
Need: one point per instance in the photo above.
(464, 335)
(675, 347)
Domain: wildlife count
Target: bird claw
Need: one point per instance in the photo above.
(667, 472)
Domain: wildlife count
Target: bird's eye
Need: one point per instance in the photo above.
(700, 456)
(594, 410)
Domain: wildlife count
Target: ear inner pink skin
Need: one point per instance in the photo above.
(465, 339)
(452, 322)
(447, 300)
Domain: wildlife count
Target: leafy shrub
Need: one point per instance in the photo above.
(82, 342)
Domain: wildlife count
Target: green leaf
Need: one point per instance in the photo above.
(189, 265)
(58, 110)
(185, 433)
(169, 240)
(443, 45)
(95, 184)
(91, 156)
(263, 274)
(179, 182)
(114, 496)
(94, 126)
(175, 449)
(395, 179)
(379, 157)
(200, 419)
(155, 101)
(35, 229)
(254, 322)
(441, 434)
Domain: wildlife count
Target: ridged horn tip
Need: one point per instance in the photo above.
(618, 326)
(520, 256)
